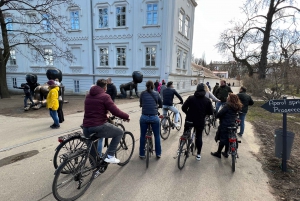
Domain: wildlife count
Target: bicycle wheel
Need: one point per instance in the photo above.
(71, 186)
(165, 128)
(67, 147)
(233, 157)
(124, 153)
(207, 126)
(121, 126)
(183, 154)
(147, 147)
(179, 121)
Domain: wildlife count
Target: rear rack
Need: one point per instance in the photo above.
(67, 136)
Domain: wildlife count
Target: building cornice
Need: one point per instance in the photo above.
(194, 3)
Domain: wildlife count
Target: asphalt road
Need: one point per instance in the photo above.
(210, 179)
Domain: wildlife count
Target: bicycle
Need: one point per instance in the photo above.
(149, 145)
(210, 121)
(233, 145)
(70, 142)
(186, 145)
(167, 122)
(83, 168)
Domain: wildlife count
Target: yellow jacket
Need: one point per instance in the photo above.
(52, 99)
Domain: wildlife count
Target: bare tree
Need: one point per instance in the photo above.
(249, 40)
(33, 25)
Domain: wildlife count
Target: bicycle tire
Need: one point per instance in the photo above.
(147, 147)
(180, 121)
(70, 146)
(124, 153)
(78, 172)
(119, 125)
(233, 157)
(164, 127)
(182, 154)
(207, 126)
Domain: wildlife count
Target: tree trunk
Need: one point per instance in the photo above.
(4, 93)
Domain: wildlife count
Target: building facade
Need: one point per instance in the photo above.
(113, 39)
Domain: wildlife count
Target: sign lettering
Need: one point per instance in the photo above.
(283, 106)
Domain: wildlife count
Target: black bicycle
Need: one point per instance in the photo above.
(82, 168)
(186, 145)
(168, 122)
(149, 150)
(233, 146)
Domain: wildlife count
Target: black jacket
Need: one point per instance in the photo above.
(112, 91)
(196, 107)
(215, 89)
(222, 93)
(227, 116)
(149, 103)
(246, 101)
(168, 96)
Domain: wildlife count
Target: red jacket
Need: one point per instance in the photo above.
(96, 105)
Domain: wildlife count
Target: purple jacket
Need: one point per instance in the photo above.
(96, 105)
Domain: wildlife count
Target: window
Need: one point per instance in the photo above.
(14, 80)
(121, 16)
(178, 58)
(76, 86)
(150, 56)
(186, 27)
(103, 56)
(180, 22)
(121, 56)
(9, 25)
(46, 22)
(151, 14)
(48, 55)
(103, 17)
(12, 59)
(184, 60)
(75, 20)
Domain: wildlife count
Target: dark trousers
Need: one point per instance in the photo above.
(60, 112)
(198, 141)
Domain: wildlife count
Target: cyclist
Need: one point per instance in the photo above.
(150, 102)
(96, 106)
(168, 96)
(227, 116)
(196, 107)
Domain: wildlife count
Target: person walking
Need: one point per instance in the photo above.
(196, 107)
(111, 89)
(53, 103)
(227, 116)
(156, 84)
(27, 94)
(60, 112)
(162, 88)
(209, 95)
(222, 94)
(246, 100)
(207, 83)
(150, 102)
(215, 88)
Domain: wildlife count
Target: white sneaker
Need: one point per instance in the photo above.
(177, 125)
(97, 174)
(112, 160)
(198, 157)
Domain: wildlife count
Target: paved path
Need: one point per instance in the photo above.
(210, 179)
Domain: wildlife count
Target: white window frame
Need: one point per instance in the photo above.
(184, 60)
(76, 86)
(73, 19)
(12, 58)
(186, 26)
(107, 15)
(178, 57)
(151, 53)
(121, 14)
(14, 81)
(152, 13)
(46, 22)
(123, 47)
(107, 55)
(181, 21)
(48, 55)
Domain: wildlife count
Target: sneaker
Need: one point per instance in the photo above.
(55, 126)
(142, 157)
(177, 125)
(216, 154)
(97, 174)
(52, 125)
(165, 131)
(158, 156)
(198, 157)
(225, 154)
(241, 135)
(112, 160)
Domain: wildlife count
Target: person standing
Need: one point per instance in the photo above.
(52, 103)
(150, 102)
(156, 84)
(246, 100)
(196, 107)
(222, 94)
(27, 94)
(60, 112)
(207, 83)
(162, 88)
(111, 89)
(215, 89)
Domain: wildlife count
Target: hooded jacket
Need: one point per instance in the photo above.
(96, 105)
(196, 107)
(246, 101)
(52, 98)
(222, 92)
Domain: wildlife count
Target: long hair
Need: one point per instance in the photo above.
(206, 87)
(234, 102)
(150, 86)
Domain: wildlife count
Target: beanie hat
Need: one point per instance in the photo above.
(51, 82)
(200, 87)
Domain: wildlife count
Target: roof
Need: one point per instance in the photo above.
(206, 71)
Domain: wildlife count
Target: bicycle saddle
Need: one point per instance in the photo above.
(231, 128)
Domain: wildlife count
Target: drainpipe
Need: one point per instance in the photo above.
(92, 41)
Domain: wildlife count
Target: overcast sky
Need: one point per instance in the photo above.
(211, 18)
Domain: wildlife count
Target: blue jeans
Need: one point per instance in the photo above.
(218, 105)
(100, 146)
(54, 115)
(25, 100)
(242, 117)
(173, 109)
(155, 124)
